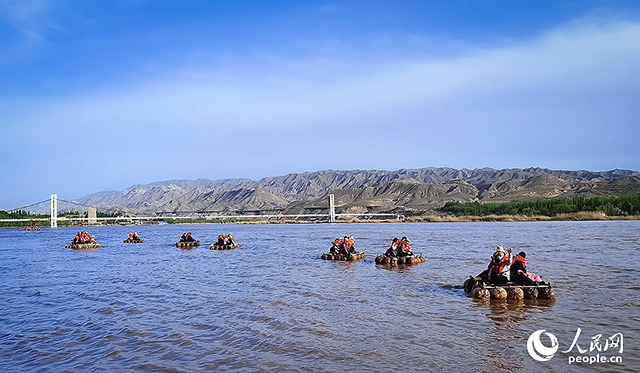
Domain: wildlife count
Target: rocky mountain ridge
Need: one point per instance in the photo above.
(410, 191)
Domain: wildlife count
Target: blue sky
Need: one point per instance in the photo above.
(101, 95)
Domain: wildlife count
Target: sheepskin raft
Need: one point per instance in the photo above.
(393, 261)
(478, 289)
(83, 246)
(133, 240)
(216, 246)
(349, 258)
(187, 244)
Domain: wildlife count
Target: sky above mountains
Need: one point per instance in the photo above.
(99, 95)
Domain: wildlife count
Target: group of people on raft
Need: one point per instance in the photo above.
(504, 268)
(399, 248)
(133, 236)
(225, 239)
(83, 237)
(187, 237)
(343, 246)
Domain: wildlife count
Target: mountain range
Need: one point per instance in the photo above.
(407, 191)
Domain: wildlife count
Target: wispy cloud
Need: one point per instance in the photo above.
(30, 17)
(563, 99)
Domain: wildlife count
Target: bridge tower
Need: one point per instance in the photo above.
(54, 211)
(332, 209)
(92, 215)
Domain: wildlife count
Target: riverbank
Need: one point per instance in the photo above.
(579, 216)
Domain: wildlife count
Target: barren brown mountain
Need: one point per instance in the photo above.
(408, 191)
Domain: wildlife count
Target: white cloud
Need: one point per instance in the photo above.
(565, 87)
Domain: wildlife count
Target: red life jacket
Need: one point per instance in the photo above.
(347, 244)
(520, 259)
(497, 265)
(337, 242)
(404, 246)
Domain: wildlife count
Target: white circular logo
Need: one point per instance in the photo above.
(539, 351)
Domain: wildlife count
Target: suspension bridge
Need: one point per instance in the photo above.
(91, 217)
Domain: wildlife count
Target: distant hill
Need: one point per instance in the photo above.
(408, 191)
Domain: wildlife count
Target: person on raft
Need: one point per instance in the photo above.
(499, 269)
(518, 270)
(335, 246)
(230, 239)
(134, 236)
(404, 248)
(78, 238)
(392, 251)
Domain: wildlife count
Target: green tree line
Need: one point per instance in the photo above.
(609, 205)
(20, 214)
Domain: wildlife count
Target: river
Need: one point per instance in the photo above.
(274, 306)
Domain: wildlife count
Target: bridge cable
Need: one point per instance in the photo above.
(73, 203)
(31, 205)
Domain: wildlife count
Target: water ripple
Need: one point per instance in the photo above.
(273, 305)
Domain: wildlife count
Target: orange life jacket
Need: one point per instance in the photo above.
(404, 246)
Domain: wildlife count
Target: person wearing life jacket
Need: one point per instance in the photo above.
(404, 248)
(519, 270)
(499, 267)
(335, 246)
(136, 236)
(220, 240)
(392, 251)
(189, 237)
(131, 235)
(230, 239)
(347, 247)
